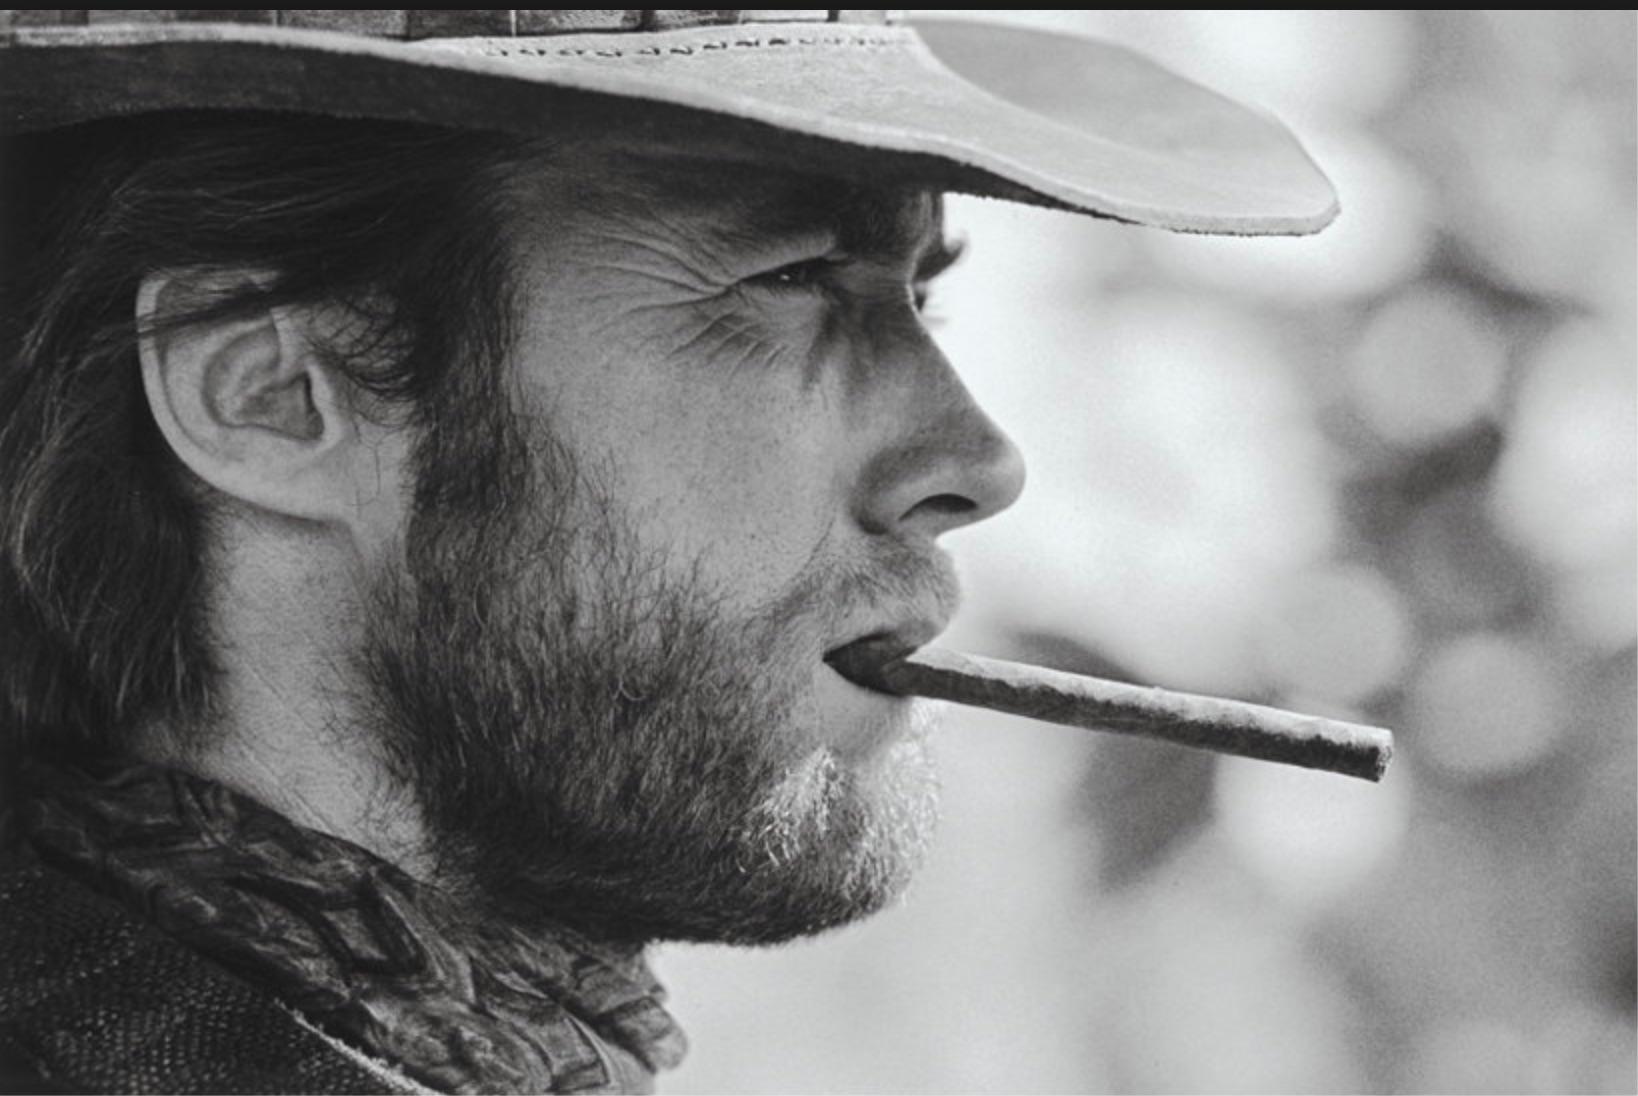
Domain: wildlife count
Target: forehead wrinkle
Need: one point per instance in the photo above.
(760, 204)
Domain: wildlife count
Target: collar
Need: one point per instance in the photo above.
(371, 956)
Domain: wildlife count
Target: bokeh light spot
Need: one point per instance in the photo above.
(1487, 705)
(1543, 202)
(1567, 487)
(1310, 837)
(1428, 364)
(1337, 632)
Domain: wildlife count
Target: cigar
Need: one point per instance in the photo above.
(1205, 722)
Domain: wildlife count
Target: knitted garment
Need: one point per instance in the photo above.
(95, 999)
(366, 954)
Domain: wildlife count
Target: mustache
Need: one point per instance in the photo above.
(893, 581)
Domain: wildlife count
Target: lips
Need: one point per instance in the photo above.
(879, 629)
(858, 659)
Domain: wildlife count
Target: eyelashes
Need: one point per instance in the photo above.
(805, 276)
(818, 275)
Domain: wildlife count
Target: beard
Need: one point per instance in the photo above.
(591, 737)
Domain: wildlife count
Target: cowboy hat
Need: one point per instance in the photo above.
(1050, 119)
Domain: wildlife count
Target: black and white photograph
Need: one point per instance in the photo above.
(819, 551)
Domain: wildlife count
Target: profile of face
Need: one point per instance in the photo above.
(729, 447)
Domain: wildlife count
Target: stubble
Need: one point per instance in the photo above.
(590, 736)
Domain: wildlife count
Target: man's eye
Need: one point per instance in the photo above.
(795, 277)
(817, 274)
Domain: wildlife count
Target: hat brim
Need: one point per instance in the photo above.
(1031, 116)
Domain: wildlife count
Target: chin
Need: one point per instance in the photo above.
(835, 840)
(703, 849)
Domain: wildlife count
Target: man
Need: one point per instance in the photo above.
(426, 534)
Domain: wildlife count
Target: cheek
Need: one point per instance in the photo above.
(725, 449)
(748, 484)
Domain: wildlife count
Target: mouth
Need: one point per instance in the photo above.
(860, 660)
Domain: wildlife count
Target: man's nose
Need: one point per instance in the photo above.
(946, 465)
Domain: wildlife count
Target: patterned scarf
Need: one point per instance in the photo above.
(371, 956)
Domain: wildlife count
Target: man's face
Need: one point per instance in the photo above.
(729, 449)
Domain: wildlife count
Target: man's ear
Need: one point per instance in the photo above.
(250, 405)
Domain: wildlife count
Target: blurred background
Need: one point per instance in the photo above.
(1387, 473)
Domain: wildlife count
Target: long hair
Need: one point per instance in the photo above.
(103, 539)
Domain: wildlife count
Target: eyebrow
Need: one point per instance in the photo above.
(890, 225)
(886, 223)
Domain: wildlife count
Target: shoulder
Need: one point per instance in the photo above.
(95, 999)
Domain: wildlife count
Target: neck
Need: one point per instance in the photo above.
(285, 727)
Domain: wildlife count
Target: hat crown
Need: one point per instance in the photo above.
(424, 23)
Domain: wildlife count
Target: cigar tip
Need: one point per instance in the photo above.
(1384, 754)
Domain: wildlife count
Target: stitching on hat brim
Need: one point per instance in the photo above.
(510, 47)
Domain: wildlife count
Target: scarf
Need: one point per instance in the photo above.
(372, 957)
